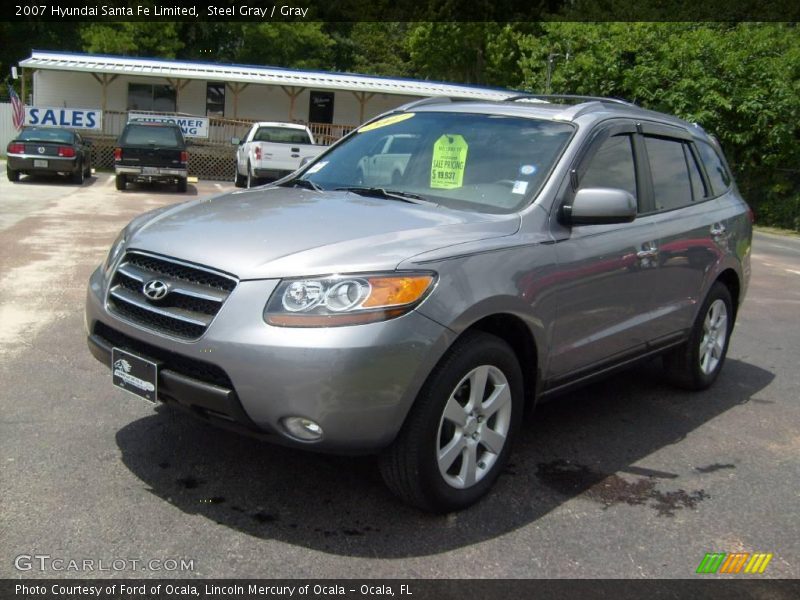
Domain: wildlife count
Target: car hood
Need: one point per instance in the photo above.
(280, 232)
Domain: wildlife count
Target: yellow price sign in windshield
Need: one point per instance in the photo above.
(449, 161)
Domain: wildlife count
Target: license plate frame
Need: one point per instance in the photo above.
(150, 170)
(135, 374)
(40, 164)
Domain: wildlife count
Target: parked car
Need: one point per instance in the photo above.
(148, 151)
(271, 151)
(516, 256)
(49, 151)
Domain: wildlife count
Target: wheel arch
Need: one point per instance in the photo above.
(514, 331)
(730, 279)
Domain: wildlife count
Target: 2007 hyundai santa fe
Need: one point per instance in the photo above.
(412, 289)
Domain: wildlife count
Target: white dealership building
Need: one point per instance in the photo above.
(218, 101)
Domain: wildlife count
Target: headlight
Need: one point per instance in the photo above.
(346, 299)
(116, 249)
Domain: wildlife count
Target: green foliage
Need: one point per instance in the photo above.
(476, 52)
(740, 82)
(140, 38)
(283, 44)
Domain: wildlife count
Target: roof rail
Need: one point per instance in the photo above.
(569, 97)
(426, 101)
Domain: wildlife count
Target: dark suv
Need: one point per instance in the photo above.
(514, 250)
(151, 152)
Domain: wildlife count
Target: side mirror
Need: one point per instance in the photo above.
(235, 141)
(596, 206)
(88, 143)
(304, 161)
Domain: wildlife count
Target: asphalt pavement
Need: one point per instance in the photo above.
(626, 478)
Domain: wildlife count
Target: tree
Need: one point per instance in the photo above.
(140, 38)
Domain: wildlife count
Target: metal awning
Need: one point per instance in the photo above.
(120, 65)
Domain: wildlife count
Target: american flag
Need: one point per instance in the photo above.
(18, 111)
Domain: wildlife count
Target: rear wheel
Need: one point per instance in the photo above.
(122, 182)
(251, 179)
(696, 364)
(87, 173)
(459, 432)
(182, 185)
(79, 174)
(12, 174)
(239, 180)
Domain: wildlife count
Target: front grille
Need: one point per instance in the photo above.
(189, 367)
(195, 294)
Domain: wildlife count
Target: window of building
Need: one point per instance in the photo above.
(147, 97)
(215, 99)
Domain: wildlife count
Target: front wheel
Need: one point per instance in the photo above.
(696, 364)
(459, 432)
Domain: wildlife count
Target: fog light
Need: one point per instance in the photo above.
(302, 428)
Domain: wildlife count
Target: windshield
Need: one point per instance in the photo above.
(486, 163)
(59, 136)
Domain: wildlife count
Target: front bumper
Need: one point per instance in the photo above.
(357, 382)
(27, 163)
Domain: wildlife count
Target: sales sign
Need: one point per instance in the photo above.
(73, 118)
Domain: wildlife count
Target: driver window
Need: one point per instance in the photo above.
(612, 166)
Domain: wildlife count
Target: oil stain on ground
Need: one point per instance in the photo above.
(571, 479)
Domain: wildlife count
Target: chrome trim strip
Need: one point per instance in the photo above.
(179, 314)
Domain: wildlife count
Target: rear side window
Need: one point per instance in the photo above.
(717, 173)
(672, 187)
(148, 135)
(698, 187)
(612, 166)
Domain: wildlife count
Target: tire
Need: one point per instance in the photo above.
(250, 180)
(696, 364)
(12, 175)
(122, 182)
(88, 172)
(418, 466)
(79, 175)
(239, 180)
(182, 185)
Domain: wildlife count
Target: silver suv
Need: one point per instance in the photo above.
(506, 253)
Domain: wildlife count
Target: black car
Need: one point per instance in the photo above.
(48, 151)
(149, 151)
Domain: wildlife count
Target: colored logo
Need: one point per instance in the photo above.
(735, 562)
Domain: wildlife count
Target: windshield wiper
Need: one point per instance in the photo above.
(304, 183)
(378, 192)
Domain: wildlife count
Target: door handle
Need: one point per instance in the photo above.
(717, 229)
(651, 253)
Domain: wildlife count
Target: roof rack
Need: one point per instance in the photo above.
(571, 97)
(426, 101)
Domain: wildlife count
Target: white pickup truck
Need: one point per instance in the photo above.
(271, 151)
